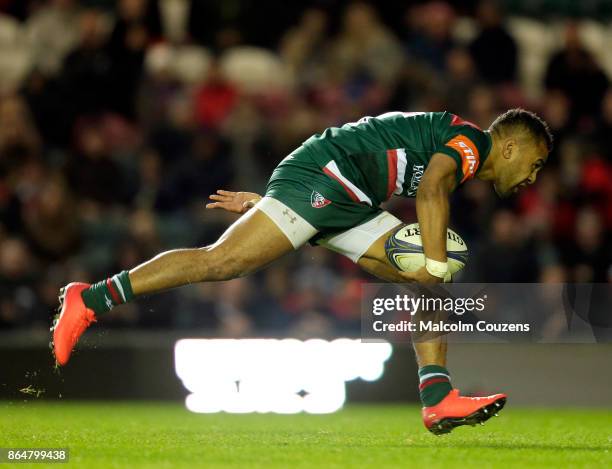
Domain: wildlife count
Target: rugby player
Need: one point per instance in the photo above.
(328, 192)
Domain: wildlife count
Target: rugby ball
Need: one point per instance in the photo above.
(404, 250)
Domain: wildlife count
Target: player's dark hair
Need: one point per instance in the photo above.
(528, 121)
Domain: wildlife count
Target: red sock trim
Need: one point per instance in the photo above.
(431, 381)
(114, 293)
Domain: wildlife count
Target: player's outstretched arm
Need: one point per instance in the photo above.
(432, 204)
(237, 202)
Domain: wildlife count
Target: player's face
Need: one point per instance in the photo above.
(519, 166)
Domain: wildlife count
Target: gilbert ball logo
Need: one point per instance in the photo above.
(318, 201)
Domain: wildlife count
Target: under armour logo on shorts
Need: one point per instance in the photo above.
(288, 214)
(318, 201)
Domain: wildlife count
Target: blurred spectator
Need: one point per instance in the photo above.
(315, 274)
(49, 221)
(557, 113)
(246, 131)
(137, 26)
(462, 77)
(232, 306)
(595, 186)
(215, 99)
(540, 207)
(94, 175)
(430, 40)
(149, 179)
(87, 70)
(273, 284)
(19, 139)
(17, 280)
(195, 179)
(494, 50)
(483, 106)
(588, 255)
(574, 71)
(302, 47)
(171, 133)
(507, 257)
(52, 34)
(144, 230)
(603, 132)
(46, 97)
(365, 48)
(224, 25)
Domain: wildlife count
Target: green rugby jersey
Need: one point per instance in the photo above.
(378, 157)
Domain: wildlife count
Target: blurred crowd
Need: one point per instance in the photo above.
(118, 119)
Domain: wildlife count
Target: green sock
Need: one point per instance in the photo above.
(434, 384)
(104, 295)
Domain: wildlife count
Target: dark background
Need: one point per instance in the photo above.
(118, 119)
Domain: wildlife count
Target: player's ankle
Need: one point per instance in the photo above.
(434, 384)
(102, 296)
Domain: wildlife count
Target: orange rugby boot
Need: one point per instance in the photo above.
(455, 410)
(74, 317)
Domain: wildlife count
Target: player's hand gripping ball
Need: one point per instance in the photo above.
(404, 250)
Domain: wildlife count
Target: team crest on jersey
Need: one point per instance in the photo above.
(318, 201)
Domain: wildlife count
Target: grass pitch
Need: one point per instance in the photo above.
(160, 435)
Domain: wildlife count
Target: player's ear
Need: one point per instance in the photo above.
(509, 148)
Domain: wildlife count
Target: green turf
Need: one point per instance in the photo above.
(107, 435)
